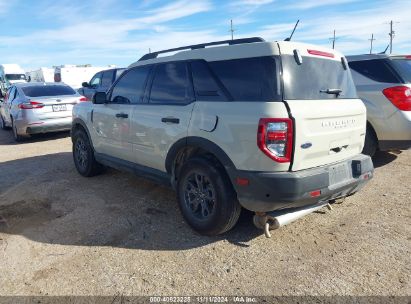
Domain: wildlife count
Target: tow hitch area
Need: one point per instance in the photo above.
(276, 219)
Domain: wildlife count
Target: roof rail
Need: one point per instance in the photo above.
(202, 45)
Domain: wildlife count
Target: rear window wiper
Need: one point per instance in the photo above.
(335, 92)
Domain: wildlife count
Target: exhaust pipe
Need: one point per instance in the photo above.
(276, 219)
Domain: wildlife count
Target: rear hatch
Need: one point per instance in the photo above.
(329, 119)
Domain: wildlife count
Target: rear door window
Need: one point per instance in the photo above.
(249, 79)
(375, 69)
(170, 84)
(311, 79)
(131, 86)
(107, 79)
(206, 87)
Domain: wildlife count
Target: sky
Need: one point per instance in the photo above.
(43, 33)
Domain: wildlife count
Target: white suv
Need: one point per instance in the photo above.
(245, 123)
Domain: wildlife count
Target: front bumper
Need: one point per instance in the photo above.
(274, 191)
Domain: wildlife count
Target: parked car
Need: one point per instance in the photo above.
(10, 74)
(74, 75)
(100, 82)
(246, 123)
(384, 84)
(31, 108)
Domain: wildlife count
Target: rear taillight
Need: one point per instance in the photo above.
(275, 138)
(399, 96)
(83, 99)
(31, 105)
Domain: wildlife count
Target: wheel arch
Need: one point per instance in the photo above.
(194, 146)
(80, 124)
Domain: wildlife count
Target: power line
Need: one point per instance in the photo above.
(371, 40)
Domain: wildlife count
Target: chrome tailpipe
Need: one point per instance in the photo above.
(276, 219)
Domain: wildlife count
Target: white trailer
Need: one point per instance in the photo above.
(10, 74)
(74, 76)
(41, 75)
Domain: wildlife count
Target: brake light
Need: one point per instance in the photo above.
(320, 53)
(83, 99)
(31, 105)
(275, 138)
(408, 57)
(400, 96)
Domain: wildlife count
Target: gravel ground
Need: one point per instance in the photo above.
(62, 234)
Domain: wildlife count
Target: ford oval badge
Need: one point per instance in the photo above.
(306, 145)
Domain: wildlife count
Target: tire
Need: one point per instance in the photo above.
(2, 123)
(83, 155)
(206, 197)
(16, 135)
(371, 142)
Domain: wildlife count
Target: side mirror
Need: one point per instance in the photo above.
(85, 85)
(100, 98)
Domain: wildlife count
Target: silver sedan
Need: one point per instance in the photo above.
(31, 108)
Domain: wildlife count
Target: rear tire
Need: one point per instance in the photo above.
(83, 155)
(371, 142)
(206, 197)
(16, 135)
(2, 123)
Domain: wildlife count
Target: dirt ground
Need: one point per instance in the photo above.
(62, 234)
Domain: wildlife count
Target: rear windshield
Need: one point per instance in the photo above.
(15, 77)
(403, 68)
(51, 90)
(314, 77)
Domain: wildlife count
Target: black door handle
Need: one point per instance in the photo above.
(170, 120)
(121, 115)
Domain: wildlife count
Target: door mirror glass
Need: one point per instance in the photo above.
(100, 98)
(85, 85)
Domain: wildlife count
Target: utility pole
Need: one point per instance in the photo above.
(232, 30)
(372, 40)
(149, 50)
(333, 40)
(391, 34)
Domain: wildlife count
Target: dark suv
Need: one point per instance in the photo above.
(100, 82)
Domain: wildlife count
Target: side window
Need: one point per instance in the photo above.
(107, 79)
(205, 85)
(170, 84)
(96, 80)
(249, 79)
(375, 69)
(130, 88)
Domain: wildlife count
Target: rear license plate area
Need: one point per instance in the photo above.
(59, 108)
(338, 173)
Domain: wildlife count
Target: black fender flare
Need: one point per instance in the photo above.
(204, 144)
(78, 121)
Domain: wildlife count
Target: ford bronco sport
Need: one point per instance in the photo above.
(245, 123)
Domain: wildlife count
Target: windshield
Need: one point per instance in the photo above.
(316, 78)
(15, 77)
(403, 68)
(46, 91)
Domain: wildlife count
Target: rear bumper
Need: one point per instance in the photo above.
(273, 191)
(44, 126)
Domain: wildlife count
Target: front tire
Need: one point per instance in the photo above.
(2, 123)
(206, 197)
(83, 155)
